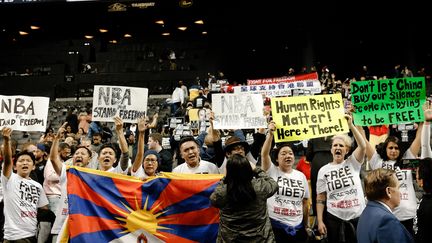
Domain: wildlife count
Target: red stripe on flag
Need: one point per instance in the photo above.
(131, 191)
(179, 190)
(197, 217)
(78, 187)
(174, 238)
(89, 224)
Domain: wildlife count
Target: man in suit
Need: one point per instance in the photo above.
(377, 222)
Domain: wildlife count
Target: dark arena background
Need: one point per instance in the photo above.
(62, 48)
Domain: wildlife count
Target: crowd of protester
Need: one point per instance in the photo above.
(264, 197)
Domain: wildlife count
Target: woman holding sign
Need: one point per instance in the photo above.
(388, 155)
(339, 188)
(288, 208)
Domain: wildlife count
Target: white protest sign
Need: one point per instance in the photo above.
(234, 111)
(280, 89)
(24, 113)
(129, 103)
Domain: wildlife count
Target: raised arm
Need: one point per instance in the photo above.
(265, 150)
(142, 126)
(416, 144)
(54, 152)
(124, 158)
(426, 151)
(153, 124)
(7, 164)
(217, 142)
(360, 151)
(119, 130)
(370, 150)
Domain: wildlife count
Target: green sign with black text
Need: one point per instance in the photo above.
(388, 101)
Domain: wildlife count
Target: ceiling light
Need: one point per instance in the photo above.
(103, 30)
(199, 22)
(182, 28)
(88, 36)
(113, 41)
(160, 22)
(127, 35)
(204, 32)
(23, 33)
(166, 34)
(34, 27)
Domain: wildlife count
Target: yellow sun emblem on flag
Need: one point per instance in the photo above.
(142, 219)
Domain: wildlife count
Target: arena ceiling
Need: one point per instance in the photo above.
(255, 34)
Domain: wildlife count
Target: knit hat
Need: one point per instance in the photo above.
(148, 152)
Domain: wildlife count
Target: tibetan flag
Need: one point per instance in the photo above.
(107, 207)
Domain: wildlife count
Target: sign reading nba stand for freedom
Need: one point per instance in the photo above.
(388, 101)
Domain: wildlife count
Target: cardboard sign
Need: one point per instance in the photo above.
(304, 117)
(24, 113)
(127, 102)
(389, 101)
(233, 111)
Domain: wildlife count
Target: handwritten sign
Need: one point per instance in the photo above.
(127, 102)
(24, 113)
(304, 117)
(233, 111)
(389, 101)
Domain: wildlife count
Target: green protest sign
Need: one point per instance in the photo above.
(388, 101)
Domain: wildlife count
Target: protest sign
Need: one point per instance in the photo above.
(304, 117)
(389, 101)
(280, 89)
(128, 103)
(24, 113)
(233, 111)
(284, 79)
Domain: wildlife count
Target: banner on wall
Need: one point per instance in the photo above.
(388, 101)
(129, 103)
(280, 89)
(305, 117)
(284, 79)
(24, 113)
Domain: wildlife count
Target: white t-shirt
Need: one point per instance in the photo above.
(407, 208)
(118, 170)
(341, 182)
(62, 209)
(22, 198)
(204, 167)
(286, 205)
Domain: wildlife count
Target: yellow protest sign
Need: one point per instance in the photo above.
(305, 117)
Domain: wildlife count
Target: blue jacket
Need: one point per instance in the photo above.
(378, 225)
